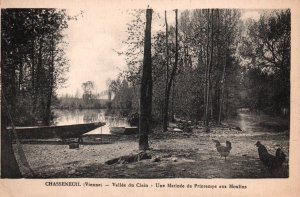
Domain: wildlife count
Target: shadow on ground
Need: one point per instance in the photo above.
(192, 157)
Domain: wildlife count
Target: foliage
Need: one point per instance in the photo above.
(88, 88)
(33, 61)
(187, 89)
(265, 54)
(250, 64)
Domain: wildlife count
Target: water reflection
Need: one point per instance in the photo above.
(253, 122)
(68, 117)
(90, 116)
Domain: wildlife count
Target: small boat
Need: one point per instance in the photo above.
(61, 131)
(124, 130)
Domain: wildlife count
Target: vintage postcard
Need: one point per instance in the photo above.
(149, 98)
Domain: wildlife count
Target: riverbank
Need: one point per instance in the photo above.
(174, 155)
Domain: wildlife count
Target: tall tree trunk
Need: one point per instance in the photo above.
(206, 69)
(41, 85)
(38, 75)
(172, 101)
(166, 101)
(222, 88)
(9, 165)
(209, 76)
(170, 82)
(33, 73)
(146, 87)
(210, 103)
(50, 85)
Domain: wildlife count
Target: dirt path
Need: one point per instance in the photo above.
(180, 155)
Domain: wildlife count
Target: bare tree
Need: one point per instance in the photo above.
(146, 87)
(166, 101)
(208, 78)
(171, 80)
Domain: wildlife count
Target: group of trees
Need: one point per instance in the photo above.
(123, 97)
(265, 55)
(33, 62)
(208, 64)
(207, 45)
(32, 68)
(190, 63)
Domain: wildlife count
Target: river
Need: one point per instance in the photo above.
(248, 122)
(259, 123)
(68, 117)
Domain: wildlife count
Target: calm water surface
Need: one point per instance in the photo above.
(68, 117)
(246, 121)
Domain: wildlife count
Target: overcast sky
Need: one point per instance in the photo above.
(92, 40)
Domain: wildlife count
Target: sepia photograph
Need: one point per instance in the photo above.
(145, 93)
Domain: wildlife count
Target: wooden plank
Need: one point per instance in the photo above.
(61, 131)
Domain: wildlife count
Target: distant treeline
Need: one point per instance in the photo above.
(69, 102)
